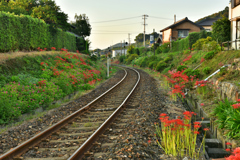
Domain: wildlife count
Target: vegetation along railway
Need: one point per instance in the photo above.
(73, 136)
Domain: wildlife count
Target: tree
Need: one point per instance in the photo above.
(130, 49)
(221, 30)
(83, 28)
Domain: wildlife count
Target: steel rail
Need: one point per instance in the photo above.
(79, 153)
(17, 151)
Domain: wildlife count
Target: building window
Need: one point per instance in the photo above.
(182, 33)
(235, 3)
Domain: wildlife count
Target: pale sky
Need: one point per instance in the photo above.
(160, 12)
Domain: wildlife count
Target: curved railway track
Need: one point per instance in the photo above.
(71, 137)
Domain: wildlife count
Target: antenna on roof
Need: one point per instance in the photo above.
(174, 18)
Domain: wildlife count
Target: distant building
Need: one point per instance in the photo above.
(207, 23)
(234, 17)
(179, 29)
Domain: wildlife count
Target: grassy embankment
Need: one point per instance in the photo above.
(30, 80)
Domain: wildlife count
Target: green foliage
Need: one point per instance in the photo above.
(181, 68)
(165, 47)
(193, 37)
(121, 58)
(136, 51)
(158, 50)
(144, 62)
(130, 49)
(223, 71)
(206, 70)
(223, 13)
(33, 81)
(161, 66)
(206, 43)
(153, 64)
(210, 46)
(228, 118)
(221, 30)
(168, 59)
(27, 33)
(180, 45)
(190, 72)
(83, 27)
(131, 58)
(209, 55)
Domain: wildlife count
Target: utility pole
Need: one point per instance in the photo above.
(144, 17)
(129, 40)
(121, 48)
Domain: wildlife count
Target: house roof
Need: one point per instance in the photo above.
(207, 21)
(180, 22)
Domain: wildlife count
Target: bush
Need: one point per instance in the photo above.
(153, 64)
(210, 46)
(167, 59)
(165, 47)
(161, 65)
(180, 45)
(206, 70)
(144, 61)
(209, 55)
(158, 50)
(181, 68)
(27, 33)
(136, 51)
(131, 58)
(190, 72)
(121, 58)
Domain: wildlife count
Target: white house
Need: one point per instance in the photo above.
(234, 17)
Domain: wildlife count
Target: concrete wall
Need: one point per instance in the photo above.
(166, 35)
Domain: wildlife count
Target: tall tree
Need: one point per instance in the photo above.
(221, 30)
(83, 28)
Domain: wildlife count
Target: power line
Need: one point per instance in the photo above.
(160, 18)
(120, 24)
(116, 20)
(111, 31)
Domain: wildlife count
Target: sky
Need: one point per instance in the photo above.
(112, 21)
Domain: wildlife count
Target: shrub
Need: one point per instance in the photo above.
(210, 46)
(158, 50)
(190, 72)
(165, 47)
(223, 71)
(209, 55)
(131, 58)
(136, 51)
(186, 51)
(121, 58)
(152, 64)
(144, 61)
(161, 65)
(181, 68)
(206, 70)
(167, 59)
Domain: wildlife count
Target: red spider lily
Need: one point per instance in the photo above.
(196, 132)
(202, 104)
(53, 48)
(202, 60)
(187, 59)
(42, 63)
(149, 141)
(163, 115)
(206, 129)
(236, 106)
(42, 83)
(197, 123)
(197, 126)
(228, 143)
(228, 150)
(238, 100)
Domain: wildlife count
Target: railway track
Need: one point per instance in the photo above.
(74, 135)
